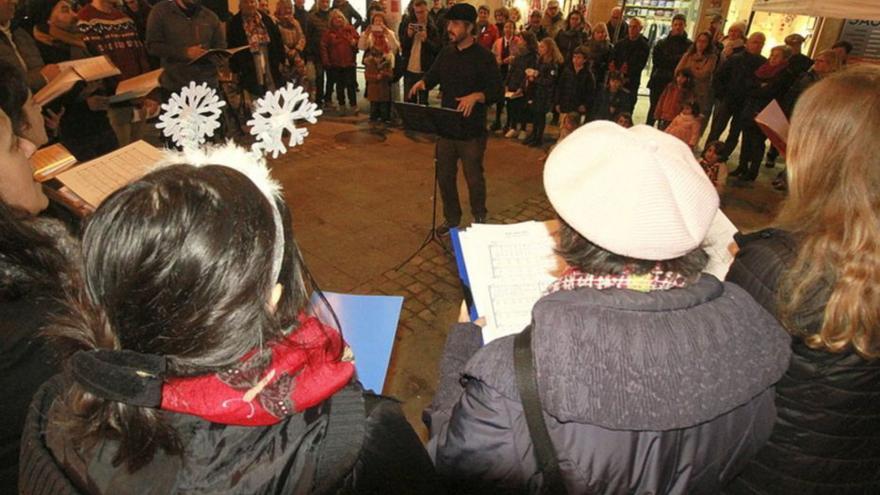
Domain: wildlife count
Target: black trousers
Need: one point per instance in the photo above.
(345, 81)
(516, 113)
(539, 121)
(724, 113)
(752, 152)
(409, 80)
(654, 97)
(380, 110)
(470, 152)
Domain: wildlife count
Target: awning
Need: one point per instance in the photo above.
(840, 9)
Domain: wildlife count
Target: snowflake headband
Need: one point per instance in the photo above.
(193, 114)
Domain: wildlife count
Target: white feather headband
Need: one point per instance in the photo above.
(192, 115)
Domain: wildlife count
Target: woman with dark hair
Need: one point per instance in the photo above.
(18, 104)
(639, 373)
(516, 84)
(700, 59)
(36, 262)
(818, 272)
(191, 365)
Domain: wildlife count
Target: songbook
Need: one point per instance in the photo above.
(93, 181)
(51, 161)
(222, 52)
(137, 87)
(74, 71)
(369, 326)
(774, 124)
(506, 269)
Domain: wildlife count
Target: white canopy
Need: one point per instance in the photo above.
(840, 9)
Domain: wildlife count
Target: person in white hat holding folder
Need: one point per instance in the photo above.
(639, 373)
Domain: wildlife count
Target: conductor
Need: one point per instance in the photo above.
(470, 81)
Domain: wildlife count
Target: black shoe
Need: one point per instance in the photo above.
(529, 140)
(443, 229)
(537, 143)
(479, 218)
(495, 127)
(736, 173)
(770, 164)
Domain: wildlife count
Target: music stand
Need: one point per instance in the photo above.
(444, 122)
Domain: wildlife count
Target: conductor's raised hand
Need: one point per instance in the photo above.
(419, 86)
(466, 103)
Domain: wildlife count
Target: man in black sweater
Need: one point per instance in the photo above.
(667, 54)
(470, 81)
(731, 84)
(631, 56)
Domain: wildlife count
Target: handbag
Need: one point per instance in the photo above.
(527, 384)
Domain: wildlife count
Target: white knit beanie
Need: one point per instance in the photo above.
(636, 192)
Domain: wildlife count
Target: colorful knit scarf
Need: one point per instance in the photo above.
(573, 279)
(255, 31)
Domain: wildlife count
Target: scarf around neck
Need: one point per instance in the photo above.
(573, 278)
(768, 71)
(298, 372)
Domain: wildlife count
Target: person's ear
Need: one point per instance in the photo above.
(275, 296)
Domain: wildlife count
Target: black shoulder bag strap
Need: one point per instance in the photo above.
(527, 383)
(344, 438)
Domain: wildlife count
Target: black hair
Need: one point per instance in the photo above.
(679, 17)
(690, 78)
(13, 95)
(695, 107)
(580, 253)
(531, 40)
(846, 45)
(718, 146)
(624, 115)
(177, 264)
(30, 261)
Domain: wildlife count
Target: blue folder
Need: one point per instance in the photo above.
(369, 324)
(462, 273)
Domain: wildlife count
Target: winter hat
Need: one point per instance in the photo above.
(636, 192)
(462, 12)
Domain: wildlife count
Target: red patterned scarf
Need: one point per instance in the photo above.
(297, 372)
(657, 279)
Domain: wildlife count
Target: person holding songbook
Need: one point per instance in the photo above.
(190, 362)
(639, 373)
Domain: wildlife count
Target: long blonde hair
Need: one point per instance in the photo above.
(833, 208)
(553, 53)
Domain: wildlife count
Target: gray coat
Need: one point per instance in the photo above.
(170, 32)
(29, 52)
(661, 392)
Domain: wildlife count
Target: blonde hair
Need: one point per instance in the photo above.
(831, 58)
(833, 208)
(337, 13)
(553, 52)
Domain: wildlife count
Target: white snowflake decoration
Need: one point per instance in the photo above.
(191, 115)
(277, 112)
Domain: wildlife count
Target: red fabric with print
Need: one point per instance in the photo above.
(300, 371)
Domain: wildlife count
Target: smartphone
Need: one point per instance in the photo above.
(417, 27)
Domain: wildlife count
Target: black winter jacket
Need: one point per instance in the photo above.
(827, 434)
(516, 76)
(661, 392)
(734, 78)
(430, 47)
(575, 89)
(634, 54)
(277, 459)
(667, 54)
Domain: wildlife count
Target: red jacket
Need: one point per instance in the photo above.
(338, 47)
(488, 35)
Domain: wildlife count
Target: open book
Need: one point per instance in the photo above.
(73, 71)
(51, 161)
(137, 87)
(506, 268)
(774, 124)
(223, 52)
(93, 181)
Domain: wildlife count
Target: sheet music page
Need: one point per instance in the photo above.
(95, 180)
(92, 69)
(717, 245)
(219, 51)
(509, 269)
(774, 118)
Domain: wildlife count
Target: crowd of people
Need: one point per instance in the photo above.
(167, 347)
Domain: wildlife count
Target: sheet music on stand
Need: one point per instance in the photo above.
(445, 122)
(95, 180)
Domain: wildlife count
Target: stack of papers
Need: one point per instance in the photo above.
(137, 87)
(508, 268)
(51, 161)
(73, 71)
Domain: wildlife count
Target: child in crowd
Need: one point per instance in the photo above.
(687, 124)
(378, 72)
(624, 119)
(714, 166)
(613, 99)
(576, 85)
(570, 122)
(676, 93)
